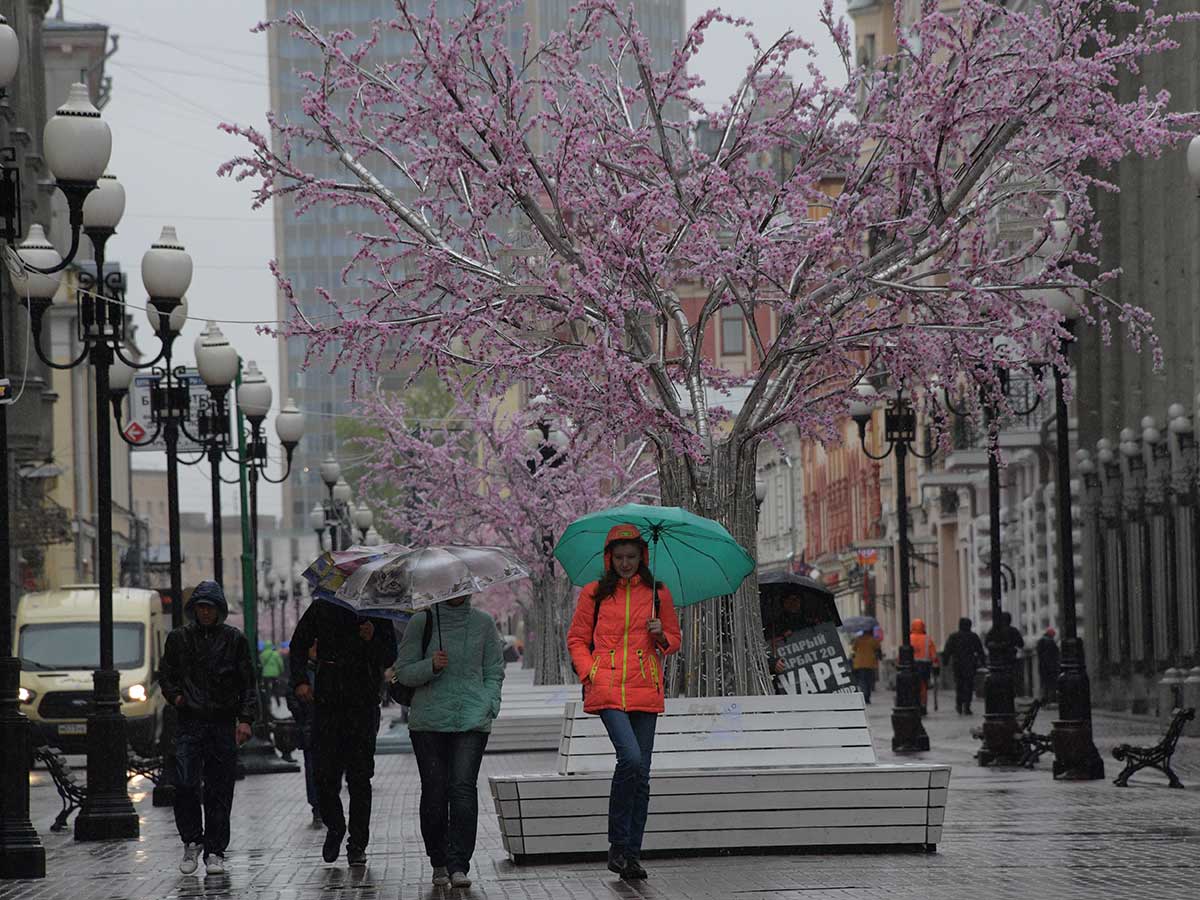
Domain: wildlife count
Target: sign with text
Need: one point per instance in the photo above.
(816, 662)
(140, 423)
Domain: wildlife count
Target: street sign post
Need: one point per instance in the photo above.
(140, 423)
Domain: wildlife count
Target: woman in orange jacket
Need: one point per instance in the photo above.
(925, 660)
(617, 642)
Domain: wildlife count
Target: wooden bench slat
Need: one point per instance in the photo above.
(591, 726)
(798, 738)
(720, 758)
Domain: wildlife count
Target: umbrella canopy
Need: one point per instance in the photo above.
(329, 571)
(695, 557)
(818, 600)
(855, 624)
(417, 579)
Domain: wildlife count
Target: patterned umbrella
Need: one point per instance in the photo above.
(330, 571)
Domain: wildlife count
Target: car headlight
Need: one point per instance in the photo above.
(135, 693)
(25, 695)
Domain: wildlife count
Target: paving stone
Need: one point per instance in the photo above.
(1008, 833)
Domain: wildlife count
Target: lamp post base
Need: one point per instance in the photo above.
(164, 792)
(257, 755)
(107, 813)
(1000, 745)
(21, 852)
(1075, 754)
(908, 734)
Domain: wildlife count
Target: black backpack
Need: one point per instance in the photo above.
(402, 693)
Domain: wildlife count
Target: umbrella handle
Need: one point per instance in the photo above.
(437, 614)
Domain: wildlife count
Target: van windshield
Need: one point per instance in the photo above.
(76, 645)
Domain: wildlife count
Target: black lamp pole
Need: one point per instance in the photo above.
(900, 432)
(1075, 754)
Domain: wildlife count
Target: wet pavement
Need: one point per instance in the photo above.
(1009, 833)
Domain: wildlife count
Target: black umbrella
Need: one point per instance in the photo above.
(818, 599)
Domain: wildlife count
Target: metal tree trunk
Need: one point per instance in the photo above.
(723, 652)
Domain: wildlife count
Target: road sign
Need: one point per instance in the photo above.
(140, 423)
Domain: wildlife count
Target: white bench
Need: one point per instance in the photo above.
(731, 773)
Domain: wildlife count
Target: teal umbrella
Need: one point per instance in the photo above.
(693, 556)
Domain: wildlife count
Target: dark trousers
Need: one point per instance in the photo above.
(205, 759)
(865, 679)
(449, 765)
(345, 747)
(632, 736)
(1049, 686)
(964, 687)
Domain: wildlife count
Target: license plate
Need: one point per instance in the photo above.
(73, 728)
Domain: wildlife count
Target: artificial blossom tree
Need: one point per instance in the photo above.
(479, 475)
(567, 215)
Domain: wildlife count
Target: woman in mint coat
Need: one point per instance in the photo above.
(457, 680)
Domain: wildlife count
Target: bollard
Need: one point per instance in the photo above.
(1170, 693)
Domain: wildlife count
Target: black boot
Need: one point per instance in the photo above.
(616, 860)
(633, 870)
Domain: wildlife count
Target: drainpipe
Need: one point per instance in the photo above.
(787, 461)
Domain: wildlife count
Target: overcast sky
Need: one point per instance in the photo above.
(183, 67)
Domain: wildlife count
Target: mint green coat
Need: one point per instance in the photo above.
(464, 696)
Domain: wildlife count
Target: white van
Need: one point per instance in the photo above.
(58, 641)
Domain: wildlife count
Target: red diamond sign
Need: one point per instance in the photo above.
(134, 431)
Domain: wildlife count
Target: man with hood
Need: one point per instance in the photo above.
(352, 653)
(208, 677)
(964, 651)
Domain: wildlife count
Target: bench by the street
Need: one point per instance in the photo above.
(1157, 756)
(72, 791)
(731, 773)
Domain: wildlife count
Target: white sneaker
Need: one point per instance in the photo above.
(441, 877)
(191, 855)
(214, 864)
(459, 880)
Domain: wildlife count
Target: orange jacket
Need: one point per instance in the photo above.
(624, 671)
(924, 649)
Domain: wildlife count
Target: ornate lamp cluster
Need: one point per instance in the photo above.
(339, 515)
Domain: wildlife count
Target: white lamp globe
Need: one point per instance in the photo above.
(120, 375)
(76, 141)
(1193, 162)
(216, 359)
(372, 539)
(167, 266)
(104, 206)
(254, 394)
(363, 518)
(316, 518)
(330, 471)
(10, 53)
(36, 250)
(342, 492)
(864, 401)
(289, 424)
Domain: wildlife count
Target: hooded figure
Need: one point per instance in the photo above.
(618, 640)
(207, 676)
(964, 651)
(1047, 657)
(925, 658)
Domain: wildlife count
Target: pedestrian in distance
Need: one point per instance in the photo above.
(304, 715)
(964, 651)
(352, 653)
(1010, 638)
(207, 675)
(925, 659)
(866, 652)
(453, 657)
(270, 667)
(623, 628)
(1047, 657)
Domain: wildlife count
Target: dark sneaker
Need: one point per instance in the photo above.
(633, 870)
(355, 857)
(459, 880)
(616, 860)
(333, 845)
(316, 820)
(441, 877)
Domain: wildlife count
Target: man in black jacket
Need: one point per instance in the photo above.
(965, 651)
(352, 652)
(208, 677)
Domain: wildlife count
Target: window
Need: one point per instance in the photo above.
(733, 331)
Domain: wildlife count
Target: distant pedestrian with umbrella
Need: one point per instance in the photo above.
(624, 626)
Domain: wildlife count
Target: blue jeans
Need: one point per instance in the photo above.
(205, 753)
(632, 735)
(449, 765)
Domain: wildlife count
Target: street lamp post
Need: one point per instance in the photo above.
(77, 146)
(218, 364)
(331, 474)
(900, 432)
(1075, 755)
(257, 755)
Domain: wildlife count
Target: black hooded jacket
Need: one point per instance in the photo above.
(964, 649)
(209, 667)
(349, 669)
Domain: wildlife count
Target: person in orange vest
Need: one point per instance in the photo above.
(925, 659)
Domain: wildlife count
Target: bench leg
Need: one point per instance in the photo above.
(1122, 780)
(1171, 776)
